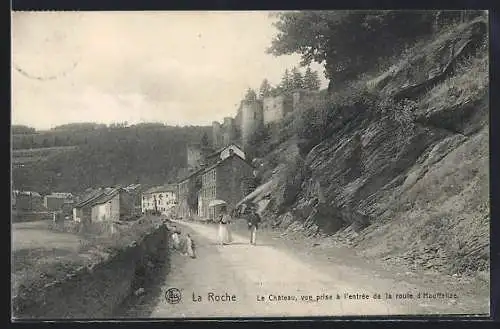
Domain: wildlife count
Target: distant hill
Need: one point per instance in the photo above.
(100, 156)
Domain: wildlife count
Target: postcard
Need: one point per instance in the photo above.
(249, 164)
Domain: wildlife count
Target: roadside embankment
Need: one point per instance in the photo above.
(94, 288)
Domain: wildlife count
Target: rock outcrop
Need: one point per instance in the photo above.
(412, 175)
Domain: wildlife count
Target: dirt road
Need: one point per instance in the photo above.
(241, 280)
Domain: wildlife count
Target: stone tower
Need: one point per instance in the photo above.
(229, 133)
(216, 134)
(194, 156)
(251, 118)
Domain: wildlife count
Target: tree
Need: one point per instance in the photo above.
(258, 141)
(286, 82)
(265, 89)
(251, 95)
(311, 79)
(348, 42)
(276, 91)
(297, 79)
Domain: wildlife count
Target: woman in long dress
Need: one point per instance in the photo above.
(176, 240)
(224, 232)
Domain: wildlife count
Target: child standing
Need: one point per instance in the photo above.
(190, 246)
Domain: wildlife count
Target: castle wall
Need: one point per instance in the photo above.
(300, 96)
(275, 108)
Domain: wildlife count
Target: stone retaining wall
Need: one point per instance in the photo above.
(97, 291)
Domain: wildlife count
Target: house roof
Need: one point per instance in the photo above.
(191, 175)
(28, 193)
(59, 195)
(223, 148)
(160, 189)
(133, 187)
(103, 199)
(100, 196)
(90, 198)
(220, 162)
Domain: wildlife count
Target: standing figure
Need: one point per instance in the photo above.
(176, 239)
(190, 246)
(253, 223)
(224, 221)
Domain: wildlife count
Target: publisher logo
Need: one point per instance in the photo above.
(173, 296)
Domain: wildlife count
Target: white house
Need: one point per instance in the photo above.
(111, 204)
(106, 208)
(161, 198)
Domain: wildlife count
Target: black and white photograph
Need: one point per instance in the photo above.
(249, 164)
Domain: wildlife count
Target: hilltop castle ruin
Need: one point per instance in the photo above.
(253, 114)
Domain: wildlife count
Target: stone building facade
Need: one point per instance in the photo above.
(160, 198)
(225, 180)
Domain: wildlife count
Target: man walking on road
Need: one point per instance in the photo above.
(253, 223)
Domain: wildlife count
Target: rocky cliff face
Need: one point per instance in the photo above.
(408, 179)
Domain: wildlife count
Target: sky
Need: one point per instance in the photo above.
(180, 68)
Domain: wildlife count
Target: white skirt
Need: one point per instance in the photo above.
(176, 241)
(224, 234)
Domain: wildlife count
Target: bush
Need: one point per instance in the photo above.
(319, 118)
(259, 143)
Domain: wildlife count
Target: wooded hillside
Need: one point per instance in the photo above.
(147, 153)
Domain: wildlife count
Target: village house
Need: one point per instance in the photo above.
(111, 204)
(56, 201)
(161, 198)
(27, 201)
(116, 204)
(135, 192)
(225, 181)
(82, 211)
